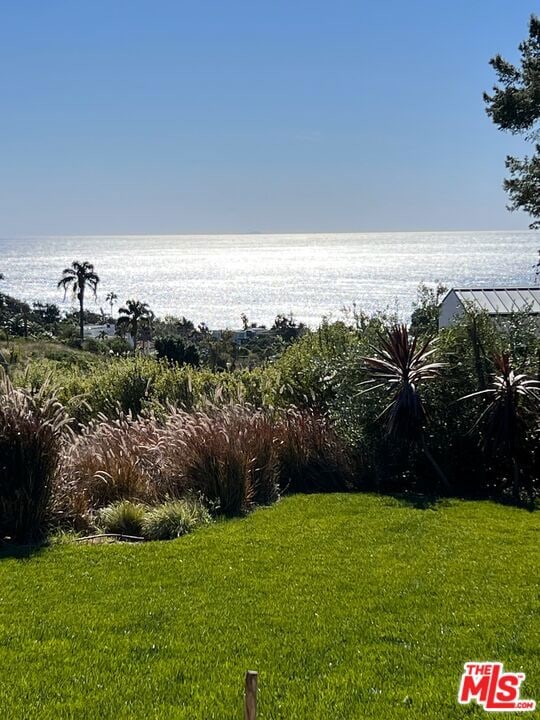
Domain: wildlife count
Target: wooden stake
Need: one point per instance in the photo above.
(250, 703)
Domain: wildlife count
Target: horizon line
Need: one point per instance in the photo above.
(254, 233)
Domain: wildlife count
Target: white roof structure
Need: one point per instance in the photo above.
(502, 301)
(494, 301)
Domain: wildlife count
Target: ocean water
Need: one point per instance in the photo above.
(215, 278)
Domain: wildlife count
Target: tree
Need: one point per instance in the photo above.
(222, 351)
(510, 416)
(515, 106)
(286, 327)
(401, 364)
(131, 316)
(23, 317)
(78, 277)
(175, 350)
(111, 298)
(46, 314)
(425, 316)
(185, 328)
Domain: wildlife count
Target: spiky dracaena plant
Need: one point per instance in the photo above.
(400, 365)
(510, 416)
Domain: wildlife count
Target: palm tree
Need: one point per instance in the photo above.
(400, 365)
(132, 315)
(24, 315)
(111, 298)
(510, 415)
(78, 276)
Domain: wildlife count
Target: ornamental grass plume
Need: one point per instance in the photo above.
(32, 428)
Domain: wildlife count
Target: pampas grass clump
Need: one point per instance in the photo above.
(32, 427)
(312, 456)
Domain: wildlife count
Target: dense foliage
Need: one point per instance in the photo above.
(367, 404)
(31, 431)
(515, 106)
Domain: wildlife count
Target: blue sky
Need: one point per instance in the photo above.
(174, 116)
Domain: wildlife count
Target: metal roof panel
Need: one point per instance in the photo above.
(502, 301)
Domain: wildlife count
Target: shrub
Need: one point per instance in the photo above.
(117, 345)
(312, 457)
(507, 423)
(174, 519)
(31, 429)
(90, 385)
(425, 315)
(218, 465)
(124, 517)
(228, 455)
(175, 350)
(263, 446)
(131, 383)
(306, 368)
(111, 460)
(92, 345)
(402, 365)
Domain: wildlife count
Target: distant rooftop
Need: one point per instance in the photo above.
(501, 301)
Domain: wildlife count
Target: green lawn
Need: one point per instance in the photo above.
(349, 606)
